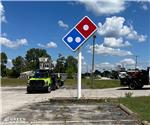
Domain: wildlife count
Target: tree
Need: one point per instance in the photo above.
(3, 57)
(60, 64)
(32, 57)
(11, 73)
(106, 73)
(19, 64)
(71, 66)
(114, 74)
(97, 72)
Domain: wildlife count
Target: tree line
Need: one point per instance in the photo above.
(31, 62)
(113, 74)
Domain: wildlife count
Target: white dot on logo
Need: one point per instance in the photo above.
(77, 39)
(69, 39)
(85, 27)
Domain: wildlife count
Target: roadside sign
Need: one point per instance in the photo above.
(74, 40)
(79, 33)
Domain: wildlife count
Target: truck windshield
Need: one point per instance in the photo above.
(41, 75)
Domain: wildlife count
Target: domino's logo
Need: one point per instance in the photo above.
(80, 33)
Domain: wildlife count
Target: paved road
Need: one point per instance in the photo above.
(16, 97)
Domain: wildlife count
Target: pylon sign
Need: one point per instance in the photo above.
(79, 33)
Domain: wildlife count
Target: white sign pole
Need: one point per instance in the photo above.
(79, 73)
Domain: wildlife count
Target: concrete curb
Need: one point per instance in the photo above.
(145, 123)
(128, 111)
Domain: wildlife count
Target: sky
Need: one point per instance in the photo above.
(123, 30)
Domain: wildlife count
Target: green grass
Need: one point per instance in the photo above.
(13, 82)
(140, 105)
(98, 84)
(69, 83)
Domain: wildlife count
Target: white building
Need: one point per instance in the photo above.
(25, 75)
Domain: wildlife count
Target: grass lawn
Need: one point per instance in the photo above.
(140, 105)
(69, 83)
(98, 84)
(13, 82)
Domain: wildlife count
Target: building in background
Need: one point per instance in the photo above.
(44, 63)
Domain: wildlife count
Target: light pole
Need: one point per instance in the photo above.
(94, 37)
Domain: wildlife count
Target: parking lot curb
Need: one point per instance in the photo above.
(145, 123)
(128, 111)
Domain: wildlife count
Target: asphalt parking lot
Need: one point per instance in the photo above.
(16, 102)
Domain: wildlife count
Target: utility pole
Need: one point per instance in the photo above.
(92, 74)
(136, 61)
(87, 69)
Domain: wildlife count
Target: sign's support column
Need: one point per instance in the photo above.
(79, 73)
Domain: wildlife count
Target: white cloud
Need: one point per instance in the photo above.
(41, 45)
(4, 34)
(85, 67)
(2, 11)
(101, 49)
(9, 64)
(134, 36)
(99, 7)
(48, 45)
(13, 44)
(115, 42)
(84, 63)
(115, 27)
(51, 45)
(127, 61)
(54, 62)
(145, 7)
(62, 24)
(104, 65)
(81, 57)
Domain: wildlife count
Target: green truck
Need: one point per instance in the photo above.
(42, 81)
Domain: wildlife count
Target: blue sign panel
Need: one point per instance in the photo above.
(73, 39)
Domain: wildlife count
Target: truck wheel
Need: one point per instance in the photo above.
(62, 83)
(57, 85)
(140, 84)
(29, 90)
(53, 87)
(48, 89)
(133, 85)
